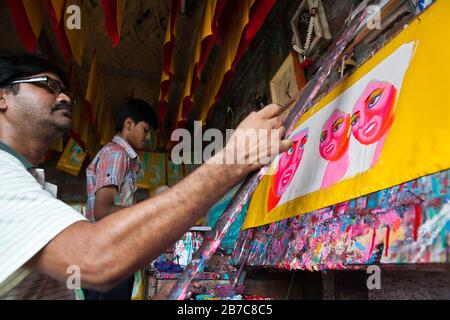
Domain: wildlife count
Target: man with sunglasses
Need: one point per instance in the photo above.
(43, 239)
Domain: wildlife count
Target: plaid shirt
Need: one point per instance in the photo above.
(117, 164)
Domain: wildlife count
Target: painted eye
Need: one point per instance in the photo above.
(290, 151)
(355, 118)
(323, 136)
(373, 98)
(337, 124)
(373, 101)
(303, 142)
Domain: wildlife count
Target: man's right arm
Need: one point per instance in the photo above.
(121, 243)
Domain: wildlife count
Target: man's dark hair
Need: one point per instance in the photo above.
(137, 110)
(16, 67)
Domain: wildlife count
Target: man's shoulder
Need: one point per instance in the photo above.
(10, 165)
(9, 160)
(13, 174)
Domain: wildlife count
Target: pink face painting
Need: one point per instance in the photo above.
(287, 167)
(373, 112)
(334, 142)
(335, 136)
(373, 115)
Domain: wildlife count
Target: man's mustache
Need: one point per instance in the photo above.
(63, 106)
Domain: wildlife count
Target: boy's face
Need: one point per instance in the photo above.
(139, 135)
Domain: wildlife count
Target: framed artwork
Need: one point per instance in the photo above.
(152, 143)
(152, 170)
(175, 172)
(143, 175)
(310, 28)
(72, 158)
(288, 81)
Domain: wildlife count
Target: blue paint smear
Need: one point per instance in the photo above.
(359, 246)
(435, 185)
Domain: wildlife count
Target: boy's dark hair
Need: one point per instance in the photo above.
(137, 110)
(16, 67)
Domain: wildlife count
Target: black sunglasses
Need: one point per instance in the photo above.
(50, 84)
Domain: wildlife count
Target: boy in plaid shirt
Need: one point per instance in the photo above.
(111, 176)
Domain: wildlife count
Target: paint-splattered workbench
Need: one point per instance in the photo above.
(407, 225)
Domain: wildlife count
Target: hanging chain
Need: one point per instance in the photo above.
(310, 32)
(308, 40)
